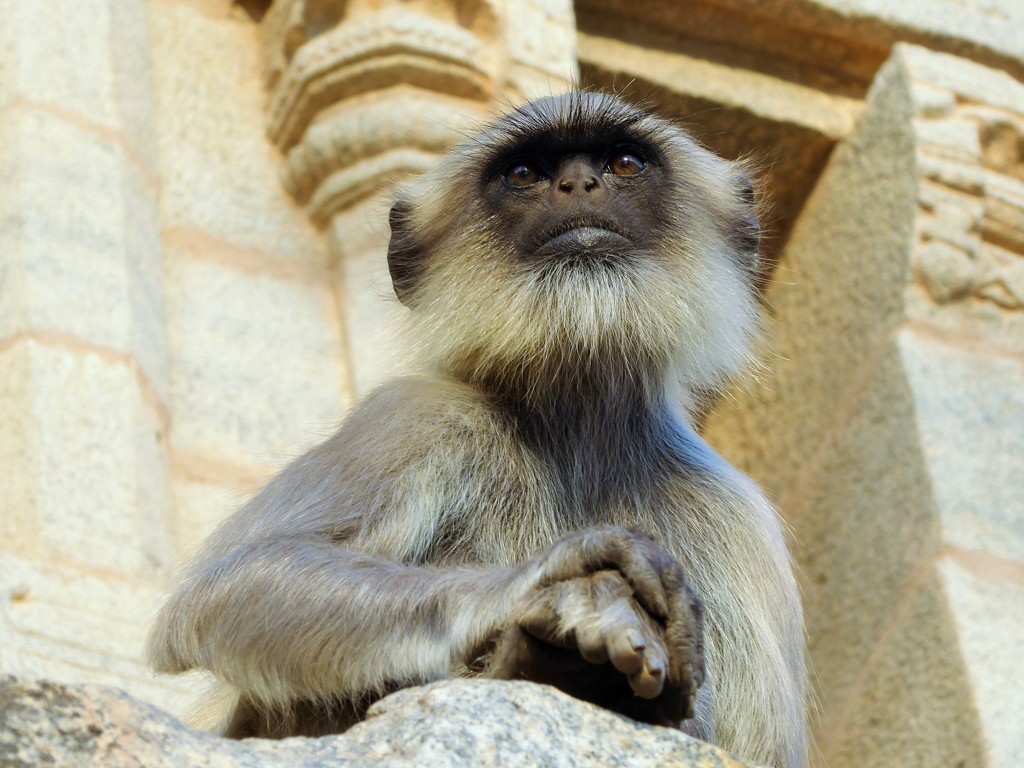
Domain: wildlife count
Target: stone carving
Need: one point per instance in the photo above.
(357, 152)
(971, 157)
(336, 50)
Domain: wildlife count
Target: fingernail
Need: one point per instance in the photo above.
(636, 640)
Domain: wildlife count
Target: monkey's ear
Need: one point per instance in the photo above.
(747, 231)
(405, 257)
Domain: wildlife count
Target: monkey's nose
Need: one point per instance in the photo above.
(568, 185)
(577, 174)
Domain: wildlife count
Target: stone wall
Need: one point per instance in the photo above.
(193, 199)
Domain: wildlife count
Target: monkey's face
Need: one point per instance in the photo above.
(579, 228)
(585, 205)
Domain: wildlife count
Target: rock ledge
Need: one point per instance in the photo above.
(454, 723)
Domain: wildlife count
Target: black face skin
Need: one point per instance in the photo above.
(575, 200)
(583, 185)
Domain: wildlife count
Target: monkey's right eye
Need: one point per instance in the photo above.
(522, 174)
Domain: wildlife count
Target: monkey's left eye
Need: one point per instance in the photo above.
(522, 174)
(626, 164)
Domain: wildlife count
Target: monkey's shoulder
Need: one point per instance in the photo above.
(410, 406)
(421, 425)
(413, 445)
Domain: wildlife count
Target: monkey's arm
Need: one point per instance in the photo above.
(305, 619)
(314, 589)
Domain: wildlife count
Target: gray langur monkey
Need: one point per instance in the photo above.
(535, 504)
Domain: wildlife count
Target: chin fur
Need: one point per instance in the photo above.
(644, 318)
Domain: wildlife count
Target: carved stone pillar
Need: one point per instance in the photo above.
(891, 426)
(365, 93)
(84, 387)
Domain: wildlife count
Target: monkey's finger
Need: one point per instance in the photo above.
(590, 634)
(554, 613)
(681, 599)
(538, 614)
(697, 623)
(684, 634)
(608, 586)
(626, 648)
(649, 680)
(590, 640)
(582, 553)
(619, 627)
(626, 638)
(638, 569)
(673, 580)
(671, 575)
(679, 639)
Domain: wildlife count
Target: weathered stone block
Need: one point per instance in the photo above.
(865, 522)
(80, 237)
(947, 272)
(17, 529)
(1002, 283)
(930, 101)
(915, 704)
(986, 595)
(970, 420)
(258, 372)
(82, 625)
(87, 60)
(956, 139)
(83, 355)
(220, 174)
(90, 444)
(963, 76)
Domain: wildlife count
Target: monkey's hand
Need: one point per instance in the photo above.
(612, 622)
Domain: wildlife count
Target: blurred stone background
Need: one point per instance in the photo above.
(193, 199)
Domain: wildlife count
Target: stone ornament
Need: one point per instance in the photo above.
(970, 135)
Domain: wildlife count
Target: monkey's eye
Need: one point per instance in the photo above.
(522, 174)
(626, 164)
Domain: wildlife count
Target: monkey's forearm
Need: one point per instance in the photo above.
(306, 619)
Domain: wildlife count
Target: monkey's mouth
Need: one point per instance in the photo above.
(583, 234)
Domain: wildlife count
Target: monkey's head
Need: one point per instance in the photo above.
(577, 232)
